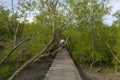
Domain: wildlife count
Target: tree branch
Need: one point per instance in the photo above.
(112, 52)
(12, 50)
(48, 5)
(15, 34)
(56, 3)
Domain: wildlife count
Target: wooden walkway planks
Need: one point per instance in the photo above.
(63, 68)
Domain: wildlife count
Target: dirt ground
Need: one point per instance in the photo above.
(103, 76)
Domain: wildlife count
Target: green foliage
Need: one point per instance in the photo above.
(117, 15)
(80, 44)
(40, 36)
(6, 71)
(117, 40)
(117, 51)
(77, 42)
(88, 34)
(3, 22)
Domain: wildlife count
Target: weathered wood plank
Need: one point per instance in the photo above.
(63, 68)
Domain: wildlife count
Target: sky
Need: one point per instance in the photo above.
(116, 6)
(108, 19)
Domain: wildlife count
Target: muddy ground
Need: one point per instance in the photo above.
(36, 71)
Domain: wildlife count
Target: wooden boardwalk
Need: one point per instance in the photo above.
(63, 68)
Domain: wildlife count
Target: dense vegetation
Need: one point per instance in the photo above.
(90, 41)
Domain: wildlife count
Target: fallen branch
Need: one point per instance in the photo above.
(47, 55)
(112, 52)
(67, 39)
(12, 50)
(56, 50)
